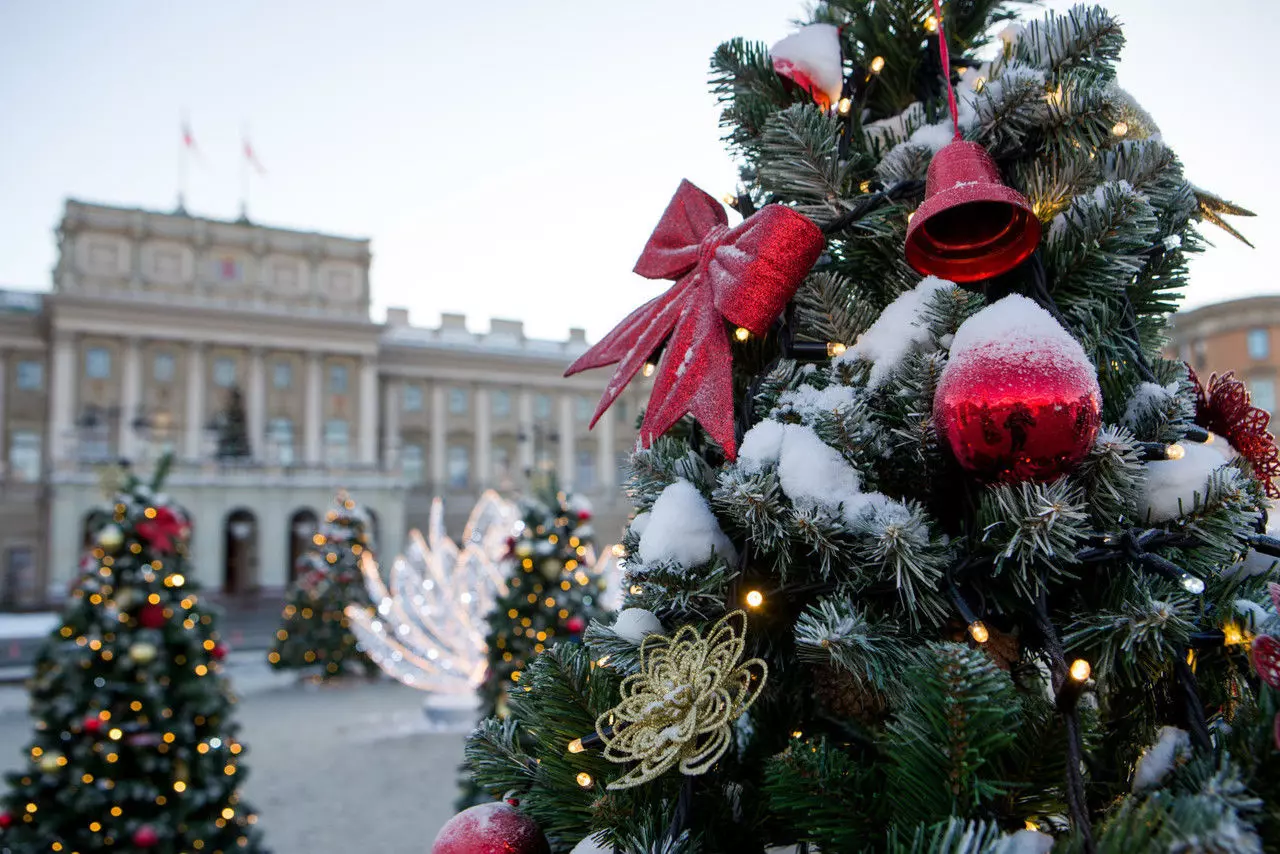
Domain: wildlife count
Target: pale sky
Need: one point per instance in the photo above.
(507, 159)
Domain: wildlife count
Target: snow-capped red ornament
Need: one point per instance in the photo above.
(92, 725)
(745, 275)
(146, 836)
(810, 58)
(494, 828)
(110, 538)
(1018, 399)
(575, 624)
(151, 616)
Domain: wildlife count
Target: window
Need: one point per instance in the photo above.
(412, 398)
(501, 403)
(584, 470)
(459, 466)
(1262, 391)
(163, 367)
(542, 406)
(457, 401)
(501, 463)
(336, 436)
(411, 463)
(24, 455)
(338, 379)
(224, 372)
(30, 375)
(94, 445)
(97, 363)
(282, 375)
(1198, 351)
(19, 581)
(280, 436)
(583, 408)
(1259, 342)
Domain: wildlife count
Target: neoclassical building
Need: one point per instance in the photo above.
(156, 321)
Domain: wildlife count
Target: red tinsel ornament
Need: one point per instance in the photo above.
(1225, 408)
(493, 828)
(1266, 660)
(151, 616)
(745, 275)
(162, 530)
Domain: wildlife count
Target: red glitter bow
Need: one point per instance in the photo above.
(744, 274)
(1225, 409)
(161, 530)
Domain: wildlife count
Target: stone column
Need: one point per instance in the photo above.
(608, 476)
(256, 405)
(484, 439)
(392, 395)
(195, 400)
(314, 413)
(438, 429)
(368, 412)
(4, 385)
(525, 413)
(62, 392)
(130, 400)
(566, 442)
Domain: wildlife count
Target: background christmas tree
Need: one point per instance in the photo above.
(315, 633)
(947, 558)
(233, 428)
(135, 746)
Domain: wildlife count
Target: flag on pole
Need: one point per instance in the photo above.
(188, 139)
(252, 159)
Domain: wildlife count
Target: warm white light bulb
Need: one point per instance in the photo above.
(1080, 670)
(755, 598)
(877, 65)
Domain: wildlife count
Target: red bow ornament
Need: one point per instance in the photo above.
(163, 530)
(745, 275)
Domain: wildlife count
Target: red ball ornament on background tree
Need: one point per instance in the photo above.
(1018, 399)
(218, 652)
(146, 836)
(92, 725)
(575, 624)
(584, 515)
(494, 828)
(6, 819)
(151, 616)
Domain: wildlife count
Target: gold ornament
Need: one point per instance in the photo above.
(142, 653)
(679, 707)
(551, 568)
(110, 538)
(50, 762)
(524, 549)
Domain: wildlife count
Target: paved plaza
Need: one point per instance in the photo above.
(333, 769)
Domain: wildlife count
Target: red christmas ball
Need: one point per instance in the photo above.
(145, 836)
(6, 819)
(218, 652)
(496, 828)
(584, 515)
(151, 616)
(92, 725)
(575, 624)
(1014, 411)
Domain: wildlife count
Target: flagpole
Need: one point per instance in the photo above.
(183, 150)
(244, 174)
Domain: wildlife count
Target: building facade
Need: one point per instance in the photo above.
(1240, 335)
(156, 321)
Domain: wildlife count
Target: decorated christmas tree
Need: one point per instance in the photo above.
(233, 429)
(316, 633)
(135, 746)
(935, 552)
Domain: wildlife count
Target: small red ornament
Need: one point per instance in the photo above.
(584, 515)
(145, 836)
(811, 59)
(745, 275)
(971, 226)
(92, 725)
(494, 828)
(6, 819)
(162, 530)
(151, 616)
(1225, 408)
(575, 624)
(1018, 399)
(218, 652)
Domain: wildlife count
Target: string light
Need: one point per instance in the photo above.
(730, 199)
(649, 368)
(864, 187)
(1191, 584)
(1080, 670)
(575, 746)
(877, 65)
(931, 24)
(843, 106)
(1120, 128)
(1030, 825)
(584, 779)
(1232, 635)
(755, 598)
(1175, 452)
(741, 333)
(978, 631)
(835, 348)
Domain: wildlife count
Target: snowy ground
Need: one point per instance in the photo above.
(333, 769)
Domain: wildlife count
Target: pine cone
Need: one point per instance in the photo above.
(843, 695)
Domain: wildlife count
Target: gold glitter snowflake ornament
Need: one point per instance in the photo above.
(679, 708)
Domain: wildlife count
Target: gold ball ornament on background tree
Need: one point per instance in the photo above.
(142, 652)
(50, 761)
(111, 538)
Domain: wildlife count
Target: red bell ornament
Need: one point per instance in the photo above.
(971, 226)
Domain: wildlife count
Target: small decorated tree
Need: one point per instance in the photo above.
(135, 748)
(316, 634)
(233, 429)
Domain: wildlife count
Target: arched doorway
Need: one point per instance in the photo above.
(240, 567)
(88, 531)
(373, 529)
(303, 525)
